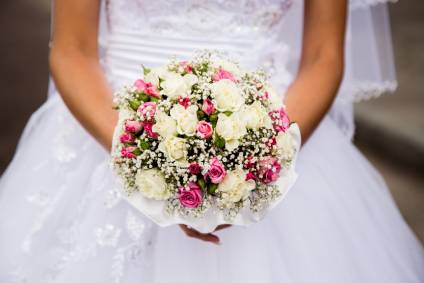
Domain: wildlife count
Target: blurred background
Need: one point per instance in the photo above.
(390, 130)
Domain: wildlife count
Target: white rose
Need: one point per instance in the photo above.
(174, 148)
(156, 73)
(165, 126)
(285, 145)
(256, 116)
(228, 66)
(186, 119)
(174, 85)
(234, 187)
(228, 96)
(152, 184)
(231, 128)
(275, 100)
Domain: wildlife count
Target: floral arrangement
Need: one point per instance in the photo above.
(203, 142)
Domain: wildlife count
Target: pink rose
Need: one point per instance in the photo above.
(216, 172)
(280, 120)
(208, 107)
(250, 176)
(191, 195)
(126, 138)
(188, 68)
(129, 151)
(147, 88)
(133, 126)
(184, 101)
(204, 129)
(249, 163)
(148, 128)
(265, 96)
(269, 170)
(147, 110)
(194, 168)
(222, 74)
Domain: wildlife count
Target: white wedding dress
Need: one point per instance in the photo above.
(62, 218)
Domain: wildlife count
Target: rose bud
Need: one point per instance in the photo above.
(133, 126)
(208, 107)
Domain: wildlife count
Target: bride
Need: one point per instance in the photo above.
(61, 215)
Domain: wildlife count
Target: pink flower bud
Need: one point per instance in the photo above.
(208, 107)
(280, 120)
(184, 101)
(147, 88)
(126, 138)
(222, 74)
(204, 129)
(269, 170)
(250, 176)
(194, 168)
(133, 126)
(147, 111)
(148, 128)
(128, 151)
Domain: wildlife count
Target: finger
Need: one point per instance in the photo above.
(197, 235)
(223, 226)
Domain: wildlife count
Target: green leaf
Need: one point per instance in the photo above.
(219, 141)
(213, 118)
(134, 104)
(228, 113)
(143, 97)
(144, 145)
(202, 183)
(146, 70)
(212, 188)
(137, 151)
(200, 114)
(154, 99)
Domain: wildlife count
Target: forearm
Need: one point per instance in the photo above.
(312, 93)
(84, 89)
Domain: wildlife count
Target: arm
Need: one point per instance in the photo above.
(75, 67)
(321, 68)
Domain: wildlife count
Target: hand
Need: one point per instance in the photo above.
(209, 237)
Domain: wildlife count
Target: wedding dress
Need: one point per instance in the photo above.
(61, 215)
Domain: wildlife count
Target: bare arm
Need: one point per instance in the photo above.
(321, 67)
(76, 70)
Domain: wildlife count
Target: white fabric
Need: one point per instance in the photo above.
(62, 218)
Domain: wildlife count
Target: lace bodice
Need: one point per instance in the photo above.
(204, 18)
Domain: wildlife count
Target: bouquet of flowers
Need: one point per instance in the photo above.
(203, 143)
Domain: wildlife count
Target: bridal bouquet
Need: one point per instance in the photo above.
(203, 143)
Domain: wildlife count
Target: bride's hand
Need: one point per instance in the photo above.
(209, 237)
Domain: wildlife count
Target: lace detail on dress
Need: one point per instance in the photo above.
(201, 17)
(355, 4)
